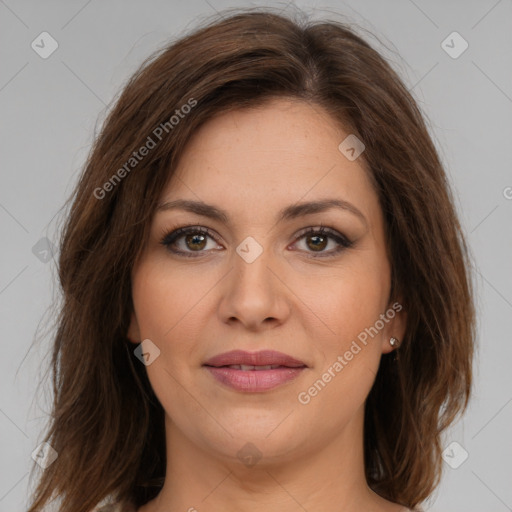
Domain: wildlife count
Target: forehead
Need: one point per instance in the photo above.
(281, 152)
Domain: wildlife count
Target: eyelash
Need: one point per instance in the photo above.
(170, 237)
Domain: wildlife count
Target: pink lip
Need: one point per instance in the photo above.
(254, 380)
(261, 358)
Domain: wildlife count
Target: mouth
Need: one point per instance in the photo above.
(258, 360)
(254, 372)
(249, 367)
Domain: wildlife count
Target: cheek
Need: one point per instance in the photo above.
(164, 295)
(350, 358)
(350, 300)
(162, 303)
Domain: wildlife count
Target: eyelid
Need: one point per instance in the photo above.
(323, 230)
(169, 236)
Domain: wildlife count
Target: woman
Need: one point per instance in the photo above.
(267, 300)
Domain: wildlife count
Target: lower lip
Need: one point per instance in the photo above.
(254, 380)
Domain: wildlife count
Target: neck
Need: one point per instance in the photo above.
(317, 477)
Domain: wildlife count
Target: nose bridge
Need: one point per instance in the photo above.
(254, 293)
(252, 266)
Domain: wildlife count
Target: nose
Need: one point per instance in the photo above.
(254, 294)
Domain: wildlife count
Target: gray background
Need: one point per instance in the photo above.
(51, 107)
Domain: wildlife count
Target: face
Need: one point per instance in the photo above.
(252, 279)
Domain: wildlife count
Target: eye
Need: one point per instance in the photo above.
(194, 238)
(188, 240)
(317, 239)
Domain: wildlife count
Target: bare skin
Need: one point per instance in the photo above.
(307, 302)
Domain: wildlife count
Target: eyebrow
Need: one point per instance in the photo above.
(288, 213)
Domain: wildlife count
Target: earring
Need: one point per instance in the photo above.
(394, 342)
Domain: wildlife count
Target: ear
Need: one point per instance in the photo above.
(133, 333)
(395, 327)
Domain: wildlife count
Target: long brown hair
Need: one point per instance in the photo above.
(106, 424)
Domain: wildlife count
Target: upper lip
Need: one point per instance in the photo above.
(261, 358)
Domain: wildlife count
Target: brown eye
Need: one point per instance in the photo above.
(188, 240)
(195, 242)
(317, 242)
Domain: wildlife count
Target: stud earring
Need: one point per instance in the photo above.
(394, 342)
